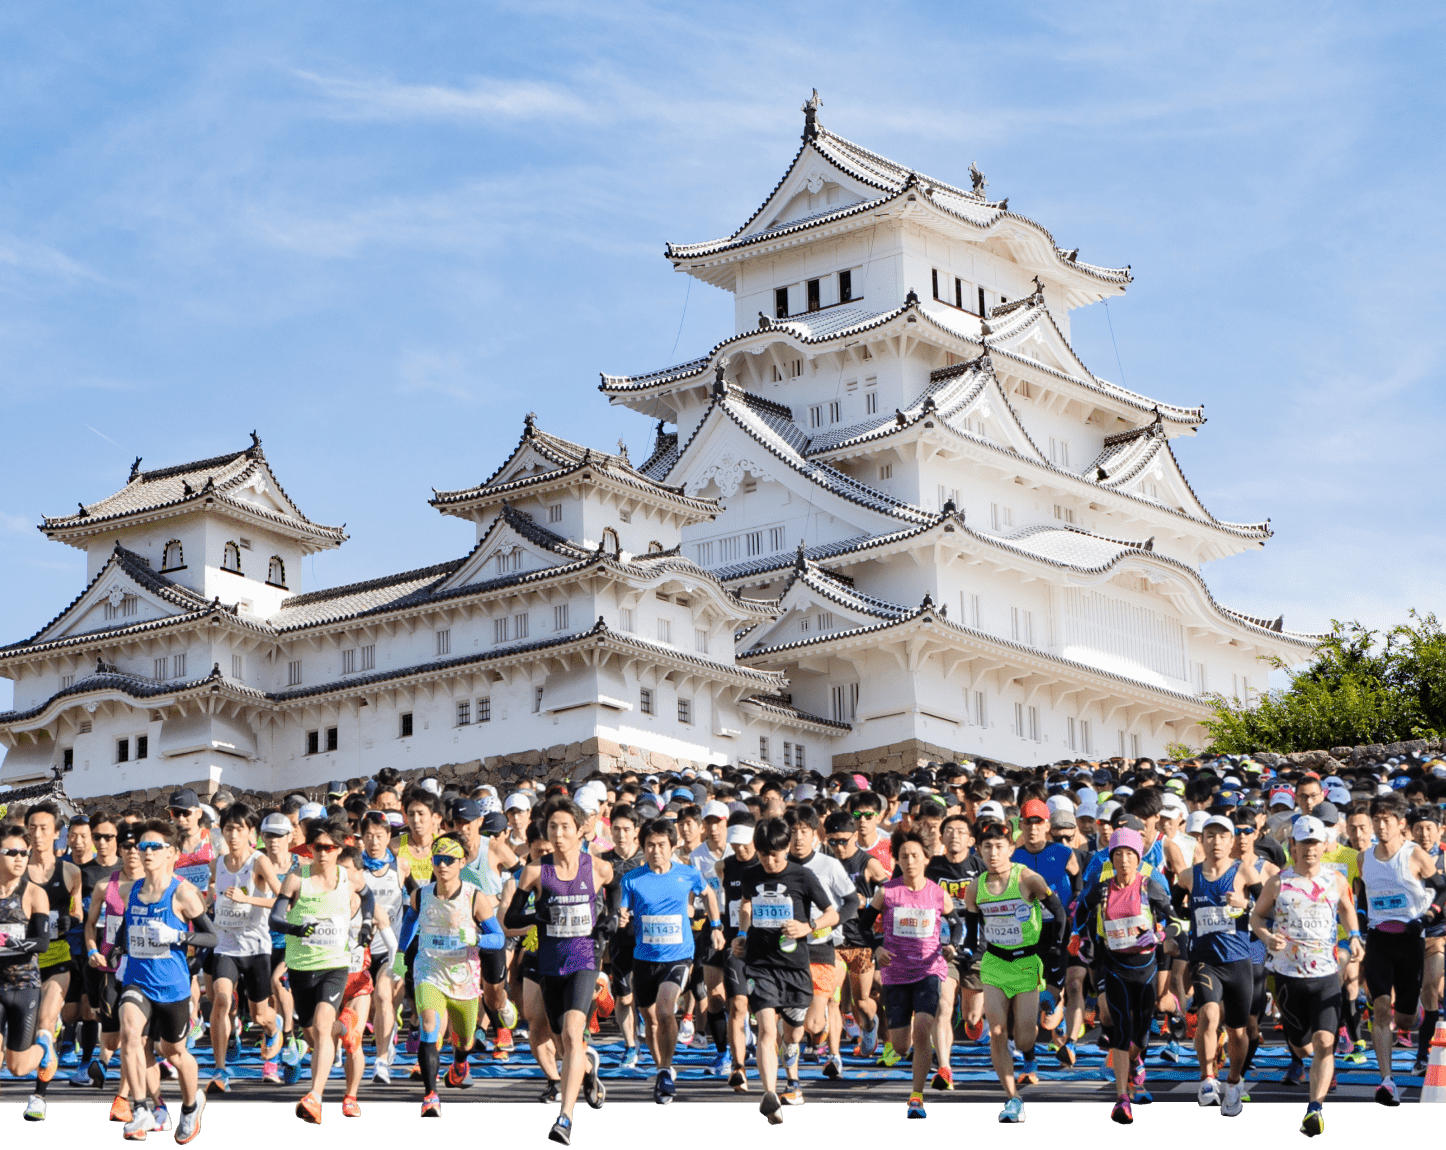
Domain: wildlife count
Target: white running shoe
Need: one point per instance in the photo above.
(1232, 1101)
(1209, 1092)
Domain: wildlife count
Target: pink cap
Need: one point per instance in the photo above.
(1130, 840)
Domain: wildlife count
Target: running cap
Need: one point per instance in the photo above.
(588, 802)
(1087, 809)
(1034, 809)
(466, 810)
(310, 811)
(1129, 840)
(517, 801)
(1221, 822)
(1327, 813)
(276, 824)
(431, 786)
(1308, 828)
(1400, 782)
(1339, 794)
(210, 812)
(682, 794)
(803, 792)
(184, 800)
(990, 810)
(489, 805)
(1061, 819)
(396, 820)
(1058, 803)
(1282, 797)
(1196, 822)
(1124, 792)
(714, 810)
(494, 823)
(335, 789)
(1175, 807)
(740, 834)
(1176, 786)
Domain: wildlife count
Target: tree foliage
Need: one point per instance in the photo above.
(1359, 688)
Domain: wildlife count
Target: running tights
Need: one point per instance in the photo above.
(1132, 1006)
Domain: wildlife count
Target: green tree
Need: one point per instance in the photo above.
(1358, 688)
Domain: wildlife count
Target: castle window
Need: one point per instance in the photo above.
(559, 617)
(276, 572)
(231, 558)
(406, 725)
(143, 746)
(845, 286)
(369, 657)
(172, 558)
(813, 295)
(464, 713)
(610, 540)
(293, 673)
(645, 701)
(780, 302)
(554, 513)
(444, 643)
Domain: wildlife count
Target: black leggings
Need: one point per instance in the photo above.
(19, 1010)
(1131, 999)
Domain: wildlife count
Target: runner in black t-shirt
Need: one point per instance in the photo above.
(953, 871)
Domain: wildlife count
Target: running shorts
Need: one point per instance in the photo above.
(965, 973)
(858, 960)
(54, 971)
(1308, 1006)
(1395, 961)
(494, 966)
(358, 983)
(1258, 989)
(564, 992)
(648, 979)
(460, 1014)
(1022, 976)
(778, 988)
(735, 977)
(248, 973)
(19, 1011)
(905, 1000)
(825, 976)
(310, 988)
(164, 1021)
(77, 984)
(1232, 984)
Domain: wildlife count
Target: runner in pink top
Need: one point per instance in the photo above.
(913, 959)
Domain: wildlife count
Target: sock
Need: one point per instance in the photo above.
(40, 1086)
(1027, 1055)
(428, 1056)
(718, 1028)
(493, 1018)
(1250, 1056)
(90, 1038)
(1315, 1106)
(1428, 1031)
(191, 1109)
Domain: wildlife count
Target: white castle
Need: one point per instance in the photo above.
(893, 517)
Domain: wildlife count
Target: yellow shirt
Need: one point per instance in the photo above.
(421, 864)
(1346, 861)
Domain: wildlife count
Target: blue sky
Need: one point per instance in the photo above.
(381, 233)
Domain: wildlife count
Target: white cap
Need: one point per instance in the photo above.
(489, 805)
(1107, 812)
(1222, 822)
(713, 809)
(740, 833)
(1175, 808)
(310, 811)
(276, 824)
(210, 812)
(588, 801)
(431, 786)
(517, 801)
(1308, 829)
(990, 809)
(1196, 822)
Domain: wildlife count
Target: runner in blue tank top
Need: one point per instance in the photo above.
(164, 915)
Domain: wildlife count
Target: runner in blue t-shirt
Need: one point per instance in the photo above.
(658, 900)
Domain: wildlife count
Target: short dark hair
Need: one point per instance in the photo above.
(626, 812)
(561, 805)
(899, 838)
(12, 831)
(1392, 804)
(417, 794)
(870, 799)
(338, 832)
(771, 836)
(240, 813)
(665, 827)
(803, 813)
(163, 827)
(992, 830)
(45, 807)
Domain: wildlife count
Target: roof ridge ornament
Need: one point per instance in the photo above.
(83, 512)
(810, 109)
(764, 323)
(720, 385)
(255, 448)
(912, 299)
(977, 179)
(800, 559)
(135, 470)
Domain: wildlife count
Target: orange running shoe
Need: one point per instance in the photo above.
(350, 1107)
(603, 998)
(309, 1109)
(974, 1031)
(120, 1109)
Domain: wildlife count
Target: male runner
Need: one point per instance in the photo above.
(625, 855)
(1058, 865)
(61, 882)
(197, 849)
(857, 951)
(384, 880)
(711, 960)
(1425, 823)
(735, 974)
(867, 809)
(488, 857)
(100, 863)
(24, 936)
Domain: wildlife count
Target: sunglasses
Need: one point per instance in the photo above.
(127, 845)
(1246, 830)
(15, 852)
(326, 848)
(150, 845)
(866, 814)
(181, 812)
(841, 841)
(103, 838)
(446, 860)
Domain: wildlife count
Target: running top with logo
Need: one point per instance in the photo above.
(18, 972)
(659, 906)
(1215, 935)
(195, 865)
(480, 874)
(1305, 914)
(837, 884)
(793, 894)
(856, 866)
(447, 955)
(1128, 920)
(567, 919)
(60, 904)
(154, 964)
(1394, 895)
(330, 910)
(240, 927)
(1051, 863)
(385, 883)
(703, 861)
(1012, 923)
(418, 862)
(912, 921)
(92, 874)
(883, 850)
(621, 942)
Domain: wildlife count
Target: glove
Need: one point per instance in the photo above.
(365, 933)
(163, 934)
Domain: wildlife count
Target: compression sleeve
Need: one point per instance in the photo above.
(1052, 904)
(35, 941)
(491, 936)
(973, 924)
(1436, 883)
(408, 931)
(849, 908)
(518, 917)
(202, 934)
(276, 920)
(868, 914)
(367, 907)
(389, 939)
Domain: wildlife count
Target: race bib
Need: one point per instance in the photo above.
(141, 941)
(1001, 927)
(1121, 933)
(443, 940)
(914, 922)
(358, 961)
(772, 909)
(113, 925)
(198, 875)
(330, 933)
(1213, 920)
(571, 919)
(232, 916)
(661, 929)
(1385, 902)
(1315, 921)
(733, 913)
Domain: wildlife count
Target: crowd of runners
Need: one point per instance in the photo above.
(767, 918)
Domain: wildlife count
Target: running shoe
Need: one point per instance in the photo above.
(1357, 1056)
(290, 1064)
(1388, 1093)
(198, 1028)
(1419, 1069)
(350, 1107)
(771, 1108)
(162, 1115)
(889, 1056)
(507, 1016)
(96, 1072)
(719, 1066)
(1314, 1122)
(869, 1040)
(271, 1072)
(1028, 1073)
(190, 1124)
(1232, 1099)
(592, 1084)
(943, 1079)
(1066, 1053)
(1013, 1110)
(1404, 1040)
(686, 1031)
(551, 1093)
(432, 1106)
(1209, 1092)
(561, 1130)
(49, 1060)
(80, 1076)
(220, 1082)
(382, 1072)
(35, 1108)
(459, 1074)
(1170, 1052)
(665, 1089)
(974, 1031)
(168, 1071)
(142, 1123)
(1344, 1045)
(630, 1059)
(503, 1044)
(738, 1080)
(309, 1109)
(1142, 1096)
(792, 1093)
(1123, 1113)
(120, 1109)
(833, 1068)
(1295, 1074)
(916, 1106)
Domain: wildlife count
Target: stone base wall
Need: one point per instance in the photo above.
(562, 761)
(902, 757)
(1344, 758)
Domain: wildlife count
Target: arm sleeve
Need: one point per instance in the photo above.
(491, 936)
(868, 914)
(367, 907)
(202, 935)
(848, 909)
(518, 917)
(1084, 913)
(36, 940)
(1159, 902)
(1061, 920)
(408, 931)
(973, 929)
(1436, 884)
(276, 920)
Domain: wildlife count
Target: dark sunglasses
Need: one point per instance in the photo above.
(445, 860)
(841, 841)
(15, 852)
(327, 848)
(181, 812)
(866, 814)
(100, 838)
(1247, 830)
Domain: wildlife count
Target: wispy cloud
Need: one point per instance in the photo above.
(41, 259)
(15, 524)
(485, 99)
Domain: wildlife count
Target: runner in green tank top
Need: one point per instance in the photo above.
(1008, 900)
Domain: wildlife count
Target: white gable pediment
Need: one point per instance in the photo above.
(989, 415)
(504, 551)
(115, 600)
(813, 186)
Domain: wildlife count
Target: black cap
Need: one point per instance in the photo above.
(1327, 813)
(183, 800)
(335, 787)
(465, 810)
(494, 823)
